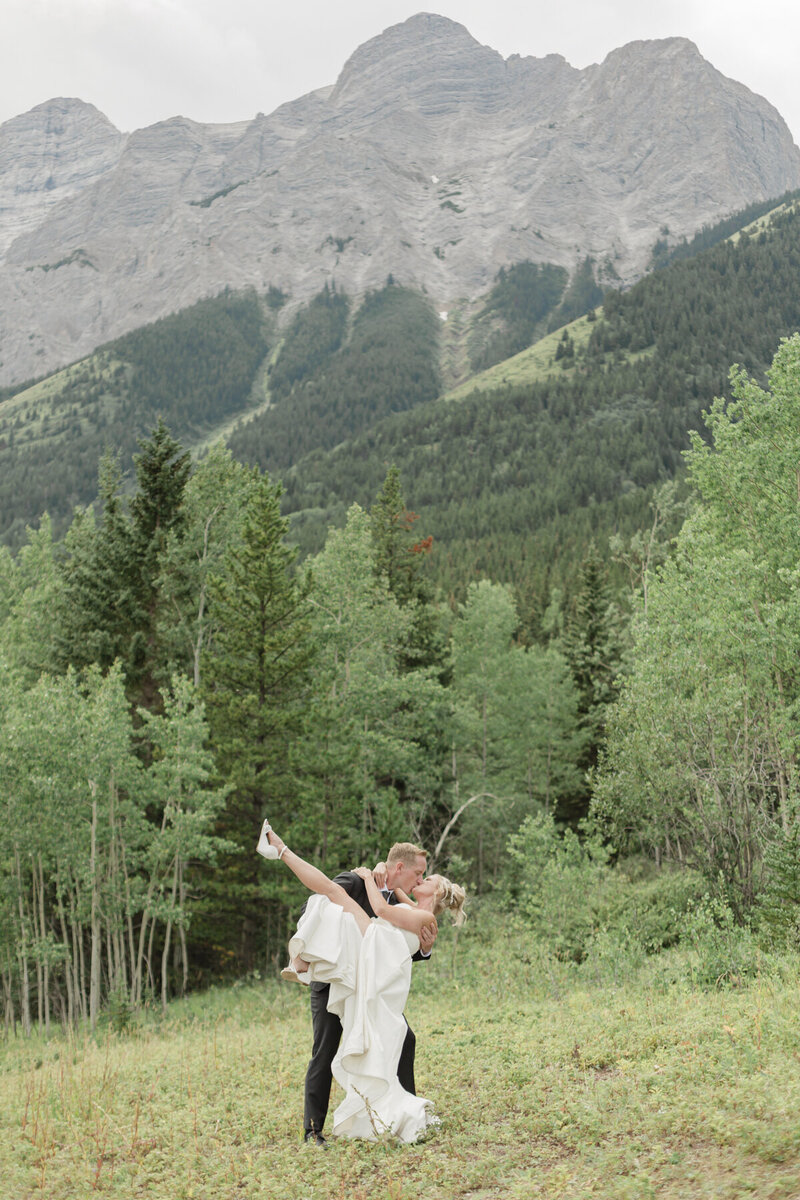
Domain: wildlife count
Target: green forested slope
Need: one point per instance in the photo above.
(516, 482)
(193, 369)
(512, 483)
(326, 386)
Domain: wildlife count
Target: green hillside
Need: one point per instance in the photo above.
(552, 446)
(516, 474)
(195, 369)
(515, 312)
(530, 365)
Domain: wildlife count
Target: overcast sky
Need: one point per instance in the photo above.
(140, 61)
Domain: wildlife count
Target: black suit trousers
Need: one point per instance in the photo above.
(327, 1035)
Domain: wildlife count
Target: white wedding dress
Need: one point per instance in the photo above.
(369, 979)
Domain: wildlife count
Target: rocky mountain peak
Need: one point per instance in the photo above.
(431, 158)
(428, 62)
(48, 154)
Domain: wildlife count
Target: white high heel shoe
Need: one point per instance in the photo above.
(265, 847)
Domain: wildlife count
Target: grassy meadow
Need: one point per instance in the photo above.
(604, 1080)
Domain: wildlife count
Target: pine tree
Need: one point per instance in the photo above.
(110, 592)
(97, 604)
(255, 677)
(162, 472)
(392, 523)
(592, 649)
(399, 559)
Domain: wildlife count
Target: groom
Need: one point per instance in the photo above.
(404, 868)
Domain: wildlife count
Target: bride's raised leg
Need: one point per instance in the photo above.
(317, 881)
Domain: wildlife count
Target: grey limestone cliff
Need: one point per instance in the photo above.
(432, 158)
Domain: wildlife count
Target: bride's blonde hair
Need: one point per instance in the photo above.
(450, 896)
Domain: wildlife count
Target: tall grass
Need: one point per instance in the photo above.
(624, 1076)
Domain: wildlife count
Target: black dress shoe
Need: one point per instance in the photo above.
(312, 1138)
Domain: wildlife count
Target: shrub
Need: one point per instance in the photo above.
(725, 953)
(572, 898)
(777, 913)
(560, 884)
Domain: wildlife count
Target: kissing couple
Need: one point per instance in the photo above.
(354, 946)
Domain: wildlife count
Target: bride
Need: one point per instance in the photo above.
(367, 963)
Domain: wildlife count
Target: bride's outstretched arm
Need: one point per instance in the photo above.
(317, 881)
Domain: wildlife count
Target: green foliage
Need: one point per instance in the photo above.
(703, 743)
(580, 906)
(561, 885)
(582, 295)
(109, 600)
(255, 677)
(29, 605)
(211, 519)
(516, 739)
(712, 235)
(593, 648)
(315, 333)
(778, 912)
(725, 953)
(98, 613)
(517, 483)
(365, 775)
(400, 558)
(196, 367)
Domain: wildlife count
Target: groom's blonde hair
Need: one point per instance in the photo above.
(406, 853)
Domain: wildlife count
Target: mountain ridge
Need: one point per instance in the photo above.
(431, 158)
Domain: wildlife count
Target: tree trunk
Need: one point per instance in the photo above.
(22, 955)
(182, 933)
(38, 941)
(62, 917)
(96, 930)
(46, 963)
(168, 936)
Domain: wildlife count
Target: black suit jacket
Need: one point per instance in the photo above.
(356, 888)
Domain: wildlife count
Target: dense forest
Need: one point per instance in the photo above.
(571, 668)
(515, 310)
(516, 483)
(171, 675)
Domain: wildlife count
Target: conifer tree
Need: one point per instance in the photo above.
(97, 605)
(395, 558)
(162, 472)
(399, 559)
(592, 649)
(255, 677)
(110, 588)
